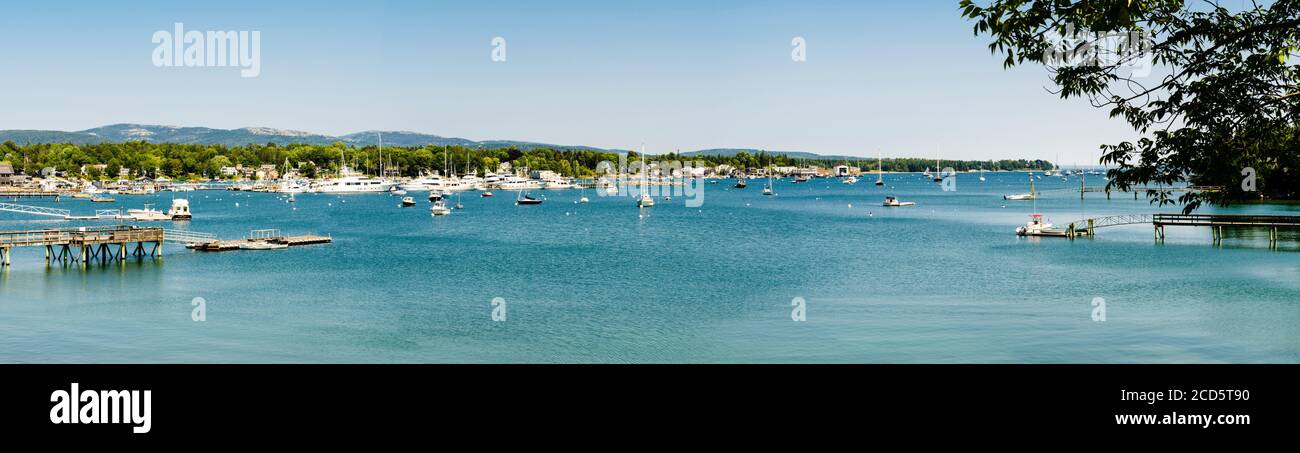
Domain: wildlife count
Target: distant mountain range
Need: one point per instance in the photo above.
(119, 133)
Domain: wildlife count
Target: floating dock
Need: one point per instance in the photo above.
(272, 237)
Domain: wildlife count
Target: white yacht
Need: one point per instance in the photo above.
(349, 182)
(490, 180)
(557, 183)
(293, 186)
(455, 184)
(353, 184)
(147, 214)
(180, 210)
(472, 181)
(514, 182)
(425, 183)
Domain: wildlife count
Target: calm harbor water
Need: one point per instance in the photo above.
(945, 281)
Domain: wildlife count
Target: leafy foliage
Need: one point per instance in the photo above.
(1225, 98)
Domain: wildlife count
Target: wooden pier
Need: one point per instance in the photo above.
(90, 243)
(1084, 189)
(1216, 222)
(15, 195)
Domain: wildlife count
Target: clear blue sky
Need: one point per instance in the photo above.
(905, 77)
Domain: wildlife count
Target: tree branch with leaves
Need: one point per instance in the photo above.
(1224, 100)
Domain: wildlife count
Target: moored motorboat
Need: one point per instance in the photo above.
(147, 215)
(893, 202)
(1036, 226)
(262, 245)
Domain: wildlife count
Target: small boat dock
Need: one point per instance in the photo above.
(260, 240)
(87, 244)
(1217, 223)
(16, 195)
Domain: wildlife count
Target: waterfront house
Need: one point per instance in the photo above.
(6, 174)
(845, 170)
(266, 172)
(545, 175)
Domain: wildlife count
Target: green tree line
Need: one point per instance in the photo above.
(192, 162)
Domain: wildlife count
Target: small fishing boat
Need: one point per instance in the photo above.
(740, 183)
(102, 200)
(440, 209)
(893, 202)
(486, 194)
(583, 200)
(1037, 227)
(408, 202)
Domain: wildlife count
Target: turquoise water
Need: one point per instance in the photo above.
(945, 281)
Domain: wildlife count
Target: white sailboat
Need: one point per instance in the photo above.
(768, 190)
(1032, 195)
(522, 197)
(645, 200)
(582, 191)
(880, 170)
